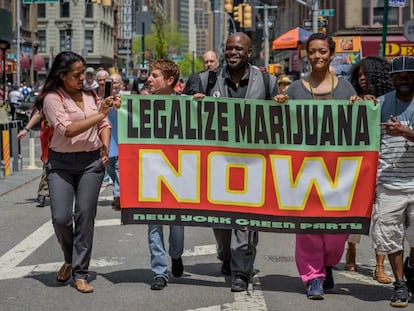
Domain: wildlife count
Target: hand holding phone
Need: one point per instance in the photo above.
(108, 88)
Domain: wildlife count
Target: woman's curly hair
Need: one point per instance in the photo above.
(377, 74)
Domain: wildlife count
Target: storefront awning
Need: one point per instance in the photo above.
(38, 63)
(395, 46)
(24, 61)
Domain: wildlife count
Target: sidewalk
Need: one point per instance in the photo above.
(18, 179)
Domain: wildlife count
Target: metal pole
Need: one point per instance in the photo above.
(266, 37)
(143, 44)
(384, 29)
(4, 76)
(18, 24)
(315, 13)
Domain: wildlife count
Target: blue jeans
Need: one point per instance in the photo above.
(113, 171)
(159, 260)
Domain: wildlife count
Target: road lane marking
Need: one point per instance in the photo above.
(9, 269)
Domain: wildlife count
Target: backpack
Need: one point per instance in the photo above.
(25, 90)
(208, 84)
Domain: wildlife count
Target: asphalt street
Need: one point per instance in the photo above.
(120, 273)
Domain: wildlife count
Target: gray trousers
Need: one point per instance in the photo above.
(75, 177)
(239, 246)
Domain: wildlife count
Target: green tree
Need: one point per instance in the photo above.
(186, 65)
(156, 47)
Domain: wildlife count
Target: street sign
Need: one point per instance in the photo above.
(409, 30)
(38, 1)
(326, 12)
(396, 3)
(177, 58)
(11, 56)
(307, 23)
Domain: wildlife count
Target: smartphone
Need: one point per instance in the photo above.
(108, 88)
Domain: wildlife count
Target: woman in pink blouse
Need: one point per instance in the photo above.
(78, 153)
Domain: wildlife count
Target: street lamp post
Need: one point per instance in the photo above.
(18, 52)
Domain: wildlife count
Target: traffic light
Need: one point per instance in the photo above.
(322, 22)
(228, 6)
(238, 13)
(247, 16)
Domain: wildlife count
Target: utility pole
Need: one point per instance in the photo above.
(18, 52)
(266, 31)
(315, 13)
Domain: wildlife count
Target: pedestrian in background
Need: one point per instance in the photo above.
(370, 78)
(43, 188)
(15, 97)
(316, 254)
(393, 213)
(164, 76)
(78, 154)
(113, 165)
(90, 83)
(193, 84)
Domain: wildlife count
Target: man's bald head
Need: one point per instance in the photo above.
(210, 60)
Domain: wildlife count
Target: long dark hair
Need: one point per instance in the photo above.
(62, 64)
(377, 74)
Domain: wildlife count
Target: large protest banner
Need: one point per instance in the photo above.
(305, 166)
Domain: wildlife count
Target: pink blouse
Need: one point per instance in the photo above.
(60, 112)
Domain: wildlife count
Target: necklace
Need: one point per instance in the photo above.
(403, 115)
(332, 87)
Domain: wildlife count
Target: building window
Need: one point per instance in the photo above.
(373, 14)
(65, 38)
(89, 41)
(41, 10)
(89, 9)
(42, 41)
(65, 9)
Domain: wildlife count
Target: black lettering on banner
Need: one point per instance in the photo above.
(132, 132)
(144, 118)
(199, 120)
(276, 124)
(176, 123)
(223, 135)
(260, 131)
(242, 123)
(210, 133)
(159, 122)
(327, 127)
(190, 133)
(288, 125)
(362, 130)
(345, 125)
(298, 136)
(311, 120)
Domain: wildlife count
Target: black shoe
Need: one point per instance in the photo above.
(409, 275)
(158, 284)
(400, 296)
(41, 199)
(225, 267)
(329, 281)
(177, 267)
(239, 284)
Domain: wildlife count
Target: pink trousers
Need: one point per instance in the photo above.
(314, 252)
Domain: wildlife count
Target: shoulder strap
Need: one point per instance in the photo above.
(208, 80)
(266, 82)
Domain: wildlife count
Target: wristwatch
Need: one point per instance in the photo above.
(26, 129)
